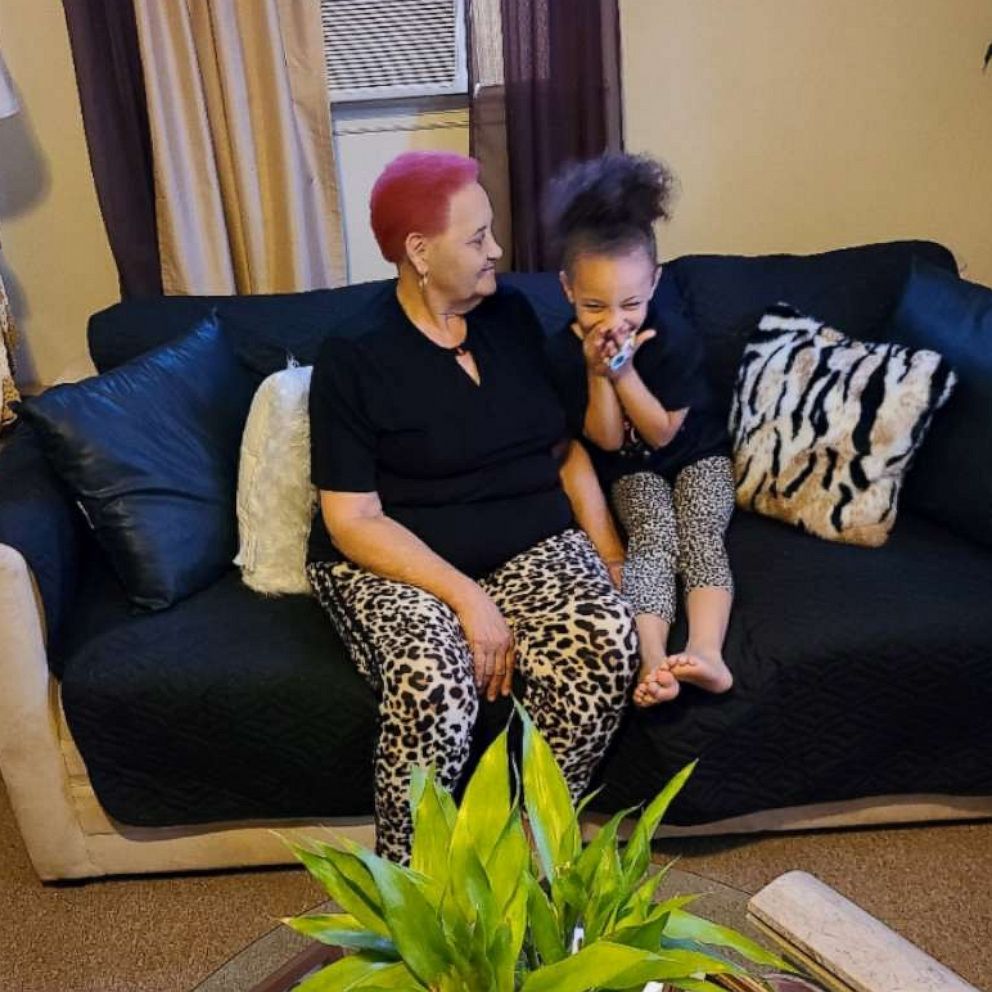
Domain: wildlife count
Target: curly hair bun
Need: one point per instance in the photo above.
(610, 191)
(607, 199)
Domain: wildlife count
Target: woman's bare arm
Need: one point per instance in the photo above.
(589, 506)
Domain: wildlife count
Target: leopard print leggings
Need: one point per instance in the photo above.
(675, 531)
(576, 651)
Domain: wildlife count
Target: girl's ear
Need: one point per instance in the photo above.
(416, 251)
(657, 278)
(566, 286)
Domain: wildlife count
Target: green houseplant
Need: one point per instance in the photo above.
(482, 909)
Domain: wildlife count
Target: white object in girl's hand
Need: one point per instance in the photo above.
(620, 359)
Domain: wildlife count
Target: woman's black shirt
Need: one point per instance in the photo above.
(467, 468)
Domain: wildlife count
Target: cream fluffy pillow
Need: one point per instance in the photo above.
(276, 500)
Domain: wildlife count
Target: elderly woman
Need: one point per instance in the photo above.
(446, 551)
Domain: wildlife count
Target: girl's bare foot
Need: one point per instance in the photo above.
(705, 669)
(655, 685)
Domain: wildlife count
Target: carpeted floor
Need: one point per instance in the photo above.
(932, 884)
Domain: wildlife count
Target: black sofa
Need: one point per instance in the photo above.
(863, 678)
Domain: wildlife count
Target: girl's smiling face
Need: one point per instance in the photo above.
(611, 291)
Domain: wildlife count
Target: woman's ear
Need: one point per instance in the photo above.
(566, 286)
(416, 251)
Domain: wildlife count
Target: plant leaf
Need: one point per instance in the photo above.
(649, 933)
(606, 895)
(640, 905)
(509, 860)
(468, 883)
(637, 853)
(341, 929)
(545, 931)
(362, 971)
(431, 832)
(549, 805)
(412, 919)
(613, 966)
(418, 783)
(347, 881)
(509, 938)
(687, 926)
(485, 805)
(588, 861)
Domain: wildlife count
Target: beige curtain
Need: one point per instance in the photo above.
(245, 188)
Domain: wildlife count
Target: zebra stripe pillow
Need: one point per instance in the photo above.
(824, 427)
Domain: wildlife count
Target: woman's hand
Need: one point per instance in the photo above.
(490, 641)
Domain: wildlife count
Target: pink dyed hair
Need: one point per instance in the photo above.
(413, 193)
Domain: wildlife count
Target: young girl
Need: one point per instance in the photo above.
(632, 381)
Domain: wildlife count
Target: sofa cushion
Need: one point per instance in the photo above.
(268, 329)
(824, 427)
(264, 329)
(857, 673)
(951, 480)
(855, 289)
(230, 705)
(150, 450)
(39, 518)
(276, 500)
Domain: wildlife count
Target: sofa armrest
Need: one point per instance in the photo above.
(38, 518)
(31, 760)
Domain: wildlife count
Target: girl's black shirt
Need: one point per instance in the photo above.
(671, 365)
(470, 469)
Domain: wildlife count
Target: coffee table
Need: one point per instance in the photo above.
(281, 958)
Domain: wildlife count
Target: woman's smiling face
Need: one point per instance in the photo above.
(461, 260)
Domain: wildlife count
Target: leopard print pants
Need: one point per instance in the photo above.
(576, 652)
(673, 530)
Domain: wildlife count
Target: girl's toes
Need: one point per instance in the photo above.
(677, 662)
(662, 686)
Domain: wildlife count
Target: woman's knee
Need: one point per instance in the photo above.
(603, 635)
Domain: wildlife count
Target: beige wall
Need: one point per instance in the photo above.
(56, 259)
(801, 125)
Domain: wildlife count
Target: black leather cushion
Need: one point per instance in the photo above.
(856, 289)
(150, 450)
(951, 480)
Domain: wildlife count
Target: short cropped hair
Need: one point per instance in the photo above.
(413, 193)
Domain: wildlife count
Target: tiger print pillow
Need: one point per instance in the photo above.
(824, 427)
